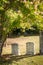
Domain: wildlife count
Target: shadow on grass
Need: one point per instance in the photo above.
(15, 58)
(8, 59)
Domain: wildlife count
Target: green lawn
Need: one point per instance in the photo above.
(23, 60)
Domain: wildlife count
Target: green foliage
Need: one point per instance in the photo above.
(40, 7)
(16, 14)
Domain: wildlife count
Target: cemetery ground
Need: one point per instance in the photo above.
(22, 60)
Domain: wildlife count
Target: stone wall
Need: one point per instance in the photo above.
(22, 41)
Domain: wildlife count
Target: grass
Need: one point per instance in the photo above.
(23, 60)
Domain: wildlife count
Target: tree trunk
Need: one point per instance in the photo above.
(2, 34)
(2, 43)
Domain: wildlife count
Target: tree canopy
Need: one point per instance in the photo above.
(21, 14)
